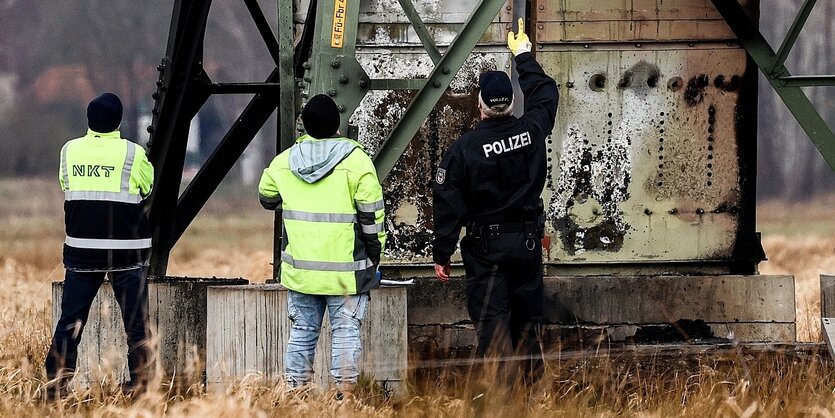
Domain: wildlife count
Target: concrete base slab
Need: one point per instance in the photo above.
(828, 295)
(754, 308)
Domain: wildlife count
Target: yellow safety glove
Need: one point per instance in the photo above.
(519, 43)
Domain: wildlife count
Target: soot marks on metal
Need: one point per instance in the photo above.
(724, 84)
(584, 209)
(695, 91)
(408, 189)
(641, 76)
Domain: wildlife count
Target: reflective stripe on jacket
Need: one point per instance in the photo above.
(333, 223)
(105, 180)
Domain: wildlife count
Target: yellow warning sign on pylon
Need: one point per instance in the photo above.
(338, 32)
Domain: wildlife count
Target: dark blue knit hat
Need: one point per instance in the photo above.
(104, 113)
(320, 117)
(495, 88)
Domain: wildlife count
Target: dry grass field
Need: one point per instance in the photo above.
(232, 240)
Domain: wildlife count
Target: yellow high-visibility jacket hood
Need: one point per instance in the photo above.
(333, 216)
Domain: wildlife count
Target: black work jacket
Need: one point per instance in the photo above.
(495, 173)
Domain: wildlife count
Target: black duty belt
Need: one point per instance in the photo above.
(482, 234)
(495, 230)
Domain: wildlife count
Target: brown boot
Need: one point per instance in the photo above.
(345, 391)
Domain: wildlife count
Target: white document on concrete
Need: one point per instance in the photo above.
(385, 282)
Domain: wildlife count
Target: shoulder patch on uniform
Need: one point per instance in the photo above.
(441, 177)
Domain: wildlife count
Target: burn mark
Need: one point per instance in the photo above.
(642, 75)
(591, 177)
(675, 83)
(597, 82)
(695, 91)
(724, 84)
(683, 330)
(604, 236)
(411, 178)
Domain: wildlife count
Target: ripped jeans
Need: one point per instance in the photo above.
(306, 313)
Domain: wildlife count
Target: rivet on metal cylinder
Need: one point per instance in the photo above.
(332, 93)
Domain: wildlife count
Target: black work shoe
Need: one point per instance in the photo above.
(133, 390)
(55, 391)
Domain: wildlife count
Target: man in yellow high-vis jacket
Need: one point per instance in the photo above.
(333, 238)
(105, 180)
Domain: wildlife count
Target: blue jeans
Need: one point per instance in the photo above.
(306, 313)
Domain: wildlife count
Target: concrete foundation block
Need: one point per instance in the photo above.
(827, 295)
(250, 328)
(177, 311)
(755, 308)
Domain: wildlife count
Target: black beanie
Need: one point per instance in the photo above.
(104, 113)
(320, 117)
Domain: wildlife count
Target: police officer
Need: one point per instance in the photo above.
(105, 180)
(333, 238)
(490, 181)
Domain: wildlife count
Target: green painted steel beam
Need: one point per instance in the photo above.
(421, 30)
(791, 36)
(438, 81)
(333, 66)
(286, 123)
(397, 84)
(795, 99)
(807, 81)
(287, 90)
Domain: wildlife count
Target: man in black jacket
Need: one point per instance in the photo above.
(490, 181)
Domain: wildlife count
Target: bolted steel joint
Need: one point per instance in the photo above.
(332, 93)
(344, 79)
(335, 63)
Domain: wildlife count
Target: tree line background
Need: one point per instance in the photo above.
(56, 55)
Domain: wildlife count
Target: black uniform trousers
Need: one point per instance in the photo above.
(505, 299)
(131, 290)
